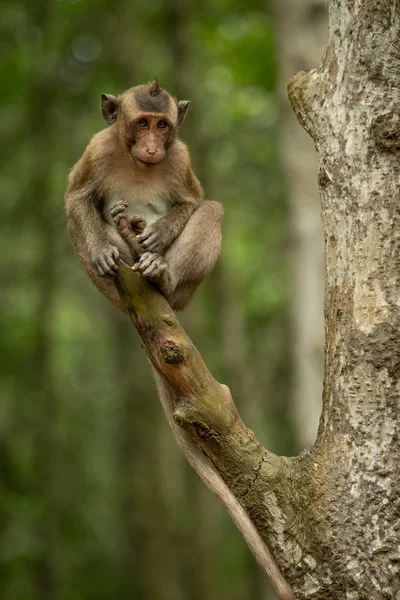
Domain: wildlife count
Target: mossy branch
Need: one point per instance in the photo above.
(204, 409)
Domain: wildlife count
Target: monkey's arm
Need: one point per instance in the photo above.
(185, 198)
(85, 223)
(159, 236)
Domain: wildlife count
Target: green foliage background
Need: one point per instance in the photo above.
(96, 501)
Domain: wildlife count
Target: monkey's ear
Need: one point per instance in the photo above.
(109, 108)
(183, 106)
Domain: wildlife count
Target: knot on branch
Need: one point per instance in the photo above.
(324, 178)
(169, 321)
(306, 99)
(385, 130)
(188, 418)
(296, 91)
(171, 353)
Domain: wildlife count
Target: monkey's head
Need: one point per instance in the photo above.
(147, 119)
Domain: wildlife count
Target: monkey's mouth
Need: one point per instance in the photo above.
(154, 161)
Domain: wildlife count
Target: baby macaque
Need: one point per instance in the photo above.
(133, 196)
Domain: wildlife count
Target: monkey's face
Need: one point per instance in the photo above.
(150, 135)
(146, 118)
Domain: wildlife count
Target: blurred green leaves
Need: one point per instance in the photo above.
(95, 500)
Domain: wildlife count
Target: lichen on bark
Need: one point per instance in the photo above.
(357, 135)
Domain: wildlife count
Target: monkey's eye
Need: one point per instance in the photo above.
(162, 125)
(142, 123)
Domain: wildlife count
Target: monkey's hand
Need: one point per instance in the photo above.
(155, 238)
(153, 267)
(105, 260)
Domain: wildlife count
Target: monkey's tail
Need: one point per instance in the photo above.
(214, 481)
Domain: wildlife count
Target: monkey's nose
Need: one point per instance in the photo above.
(151, 152)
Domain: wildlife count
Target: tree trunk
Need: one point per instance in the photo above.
(330, 516)
(302, 29)
(350, 106)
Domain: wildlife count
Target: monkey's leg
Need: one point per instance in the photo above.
(189, 259)
(193, 254)
(128, 228)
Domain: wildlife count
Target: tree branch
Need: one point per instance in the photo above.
(203, 409)
(303, 88)
(280, 496)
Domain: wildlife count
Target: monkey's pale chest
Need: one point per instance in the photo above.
(141, 202)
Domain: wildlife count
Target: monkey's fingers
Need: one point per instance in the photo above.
(105, 261)
(113, 266)
(110, 266)
(115, 253)
(150, 240)
(100, 270)
(103, 268)
(153, 245)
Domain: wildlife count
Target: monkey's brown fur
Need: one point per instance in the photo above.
(183, 231)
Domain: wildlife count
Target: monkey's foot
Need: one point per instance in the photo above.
(138, 224)
(128, 227)
(152, 266)
(124, 223)
(117, 212)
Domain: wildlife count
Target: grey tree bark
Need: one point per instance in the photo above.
(302, 32)
(350, 107)
(331, 516)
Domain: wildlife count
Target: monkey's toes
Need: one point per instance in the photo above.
(138, 224)
(154, 272)
(151, 266)
(118, 211)
(120, 206)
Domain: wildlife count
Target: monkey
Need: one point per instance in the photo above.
(133, 196)
(134, 187)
